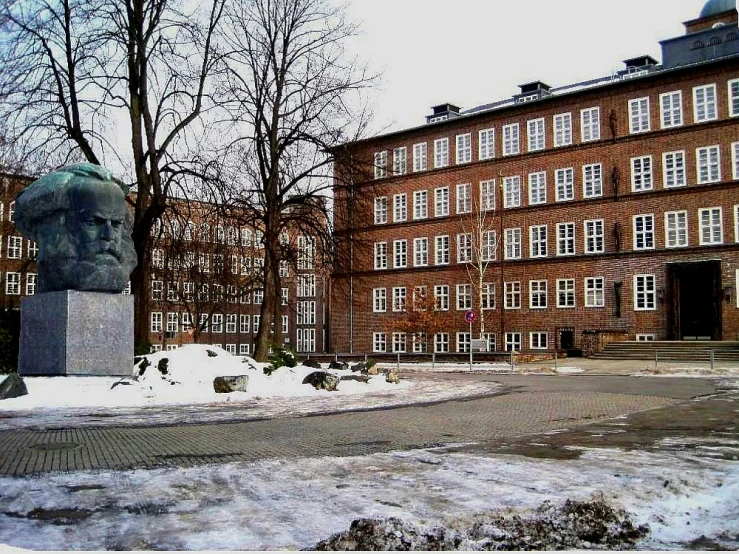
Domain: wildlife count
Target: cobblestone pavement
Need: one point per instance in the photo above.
(530, 404)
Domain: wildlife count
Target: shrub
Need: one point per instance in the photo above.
(162, 366)
(279, 358)
(142, 348)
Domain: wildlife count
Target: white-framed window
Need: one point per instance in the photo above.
(420, 204)
(708, 163)
(400, 207)
(306, 339)
(536, 134)
(643, 231)
(157, 290)
(644, 293)
(400, 253)
(12, 283)
(216, 323)
(513, 341)
(441, 297)
(639, 115)
(512, 191)
(538, 241)
(736, 288)
(256, 320)
(487, 195)
(420, 156)
(564, 181)
(590, 124)
(421, 252)
(592, 180)
(538, 340)
(511, 139)
(644, 337)
(399, 340)
(173, 288)
(156, 322)
(464, 296)
(259, 296)
(186, 321)
(487, 296)
(464, 198)
(32, 250)
(671, 109)
(710, 226)
(537, 188)
(492, 343)
(399, 299)
(464, 248)
(243, 349)
(704, 103)
(566, 239)
(379, 300)
(306, 312)
(441, 152)
(537, 294)
(676, 229)
(188, 291)
(306, 253)
(565, 293)
(15, 247)
(419, 297)
(488, 252)
(379, 342)
(441, 342)
(733, 89)
(736, 228)
(512, 296)
(512, 239)
(464, 148)
(594, 235)
(441, 202)
(673, 169)
(230, 323)
(562, 129)
(231, 348)
(244, 323)
(735, 160)
(419, 342)
(641, 173)
(594, 292)
(380, 255)
(380, 164)
(31, 282)
(380, 210)
(463, 342)
(486, 148)
(173, 323)
(441, 251)
(306, 284)
(400, 161)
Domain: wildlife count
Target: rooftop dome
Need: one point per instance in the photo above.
(714, 7)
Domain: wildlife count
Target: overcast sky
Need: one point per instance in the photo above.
(472, 52)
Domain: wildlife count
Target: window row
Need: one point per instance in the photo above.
(399, 342)
(14, 283)
(219, 323)
(14, 248)
(565, 294)
(705, 107)
(11, 211)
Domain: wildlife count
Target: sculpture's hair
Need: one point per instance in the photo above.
(51, 194)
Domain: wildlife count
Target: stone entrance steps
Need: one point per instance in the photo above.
(684, 351)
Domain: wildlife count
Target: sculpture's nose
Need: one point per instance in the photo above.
(106, 231)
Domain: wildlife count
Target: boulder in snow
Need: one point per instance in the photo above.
(335, 364)
(392, 377)
(230, 383)
(360, 378)
(322, 380)
(311, 363)
(12, 387)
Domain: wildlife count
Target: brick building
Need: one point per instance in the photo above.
(564, 216)
(205, 282)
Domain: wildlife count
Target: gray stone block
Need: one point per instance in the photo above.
(76, 333)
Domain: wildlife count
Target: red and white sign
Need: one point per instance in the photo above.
(470, 316)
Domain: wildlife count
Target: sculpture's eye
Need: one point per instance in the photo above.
(116, 224)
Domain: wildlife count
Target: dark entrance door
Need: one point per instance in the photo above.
(695, 310)
(567, 338)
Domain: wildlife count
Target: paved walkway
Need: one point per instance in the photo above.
(531, 404)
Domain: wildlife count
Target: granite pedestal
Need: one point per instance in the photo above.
(76, 333)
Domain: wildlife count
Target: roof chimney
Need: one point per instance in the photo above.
(442, 112)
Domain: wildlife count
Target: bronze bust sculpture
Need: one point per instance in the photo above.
(79, 218)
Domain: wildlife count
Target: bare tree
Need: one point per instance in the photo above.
(479, 241)
(292, 88)
(83, 78)
(421, 319)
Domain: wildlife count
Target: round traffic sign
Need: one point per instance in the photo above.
(470, 316)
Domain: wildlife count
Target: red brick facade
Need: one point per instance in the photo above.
(686, 168)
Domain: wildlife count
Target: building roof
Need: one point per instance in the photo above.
(714, 7)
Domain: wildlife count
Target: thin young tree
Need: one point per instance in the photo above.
(293, 91)
(123, 83)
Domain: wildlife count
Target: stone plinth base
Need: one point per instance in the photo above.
(76, 333)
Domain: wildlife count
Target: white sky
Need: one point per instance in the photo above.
(472, 52)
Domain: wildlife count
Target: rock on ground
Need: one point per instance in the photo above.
(230, 383)
(322, 380)
(13, 386)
